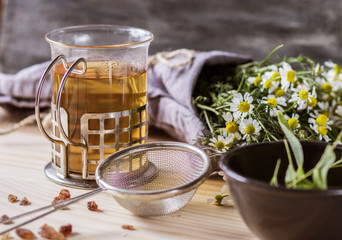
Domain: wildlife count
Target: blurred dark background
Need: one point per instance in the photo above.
(252, 27)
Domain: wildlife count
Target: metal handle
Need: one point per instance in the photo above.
(59, 96)
(38, 93)
(56, 206)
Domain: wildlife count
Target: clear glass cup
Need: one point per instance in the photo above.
(99, 102)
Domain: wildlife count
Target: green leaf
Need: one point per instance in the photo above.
(306, 184)
(320, 171)
(290, 175)
(293, 140)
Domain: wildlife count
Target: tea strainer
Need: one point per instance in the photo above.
(149, 179)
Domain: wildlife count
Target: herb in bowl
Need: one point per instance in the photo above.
(296, 177)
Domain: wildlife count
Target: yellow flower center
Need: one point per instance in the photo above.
(322, 119)
(244, 107)
(322, 130)
(219, 145)
(232, 127)
(327, 88)
(257, 80)
(312, 102)
(276, 76)
(272, 102)
(337, 69)
(290, 76)
(250, 129)
(268, 84)
(279, 92)
(303, 95)
(293, 122)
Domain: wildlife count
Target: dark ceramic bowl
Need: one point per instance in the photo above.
(277, 213)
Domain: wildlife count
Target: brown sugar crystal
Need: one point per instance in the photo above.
(64, 194)
(128, 227)
(12, 198)
(3, 219)
(56, 200)
(49, 232)
(24, 202)
(25, 233)
(6, 236)
(92, 206)
(66, 230)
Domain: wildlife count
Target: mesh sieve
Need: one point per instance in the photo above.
(154, 178)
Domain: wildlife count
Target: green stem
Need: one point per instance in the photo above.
(289, 157)
(301, 178)
(204, 107)
(274, 180)
(207, 121)
(290, 108)
(270, 54)
(338, 139)
(223, 106)
(335, 164)
(266, 131)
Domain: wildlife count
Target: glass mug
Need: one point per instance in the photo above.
(99, 102)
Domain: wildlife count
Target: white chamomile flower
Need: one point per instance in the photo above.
(221, 143)
(328, 87)
(222, 198)
(325, 108)
(333, 78)
(250, 128)
(321, 125)
(279, 92)
(254, 80)
(335, 69)
(232, 125)
(318, 68)
(268, 83)
(241, 105)
(288, 76)
(293, 121)
(312, 100)
(322, 131)
(338, 112)
(301, 96)
(274, 104)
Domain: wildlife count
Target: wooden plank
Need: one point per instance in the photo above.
(24, 154)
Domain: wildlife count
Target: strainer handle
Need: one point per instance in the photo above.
(56, 206)
(38, 93)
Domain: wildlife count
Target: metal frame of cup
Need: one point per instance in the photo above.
(62, 174)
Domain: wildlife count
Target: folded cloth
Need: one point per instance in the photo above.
(171, 88)
(19, 89)
(171, 83)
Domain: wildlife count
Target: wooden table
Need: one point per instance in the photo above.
(23, 156)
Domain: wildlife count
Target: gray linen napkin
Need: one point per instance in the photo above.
(170, 90)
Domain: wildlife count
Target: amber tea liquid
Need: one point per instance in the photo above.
(104, 88)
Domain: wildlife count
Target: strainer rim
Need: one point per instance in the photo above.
(154, 194)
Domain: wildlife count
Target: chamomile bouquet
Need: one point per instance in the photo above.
(242, 108)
